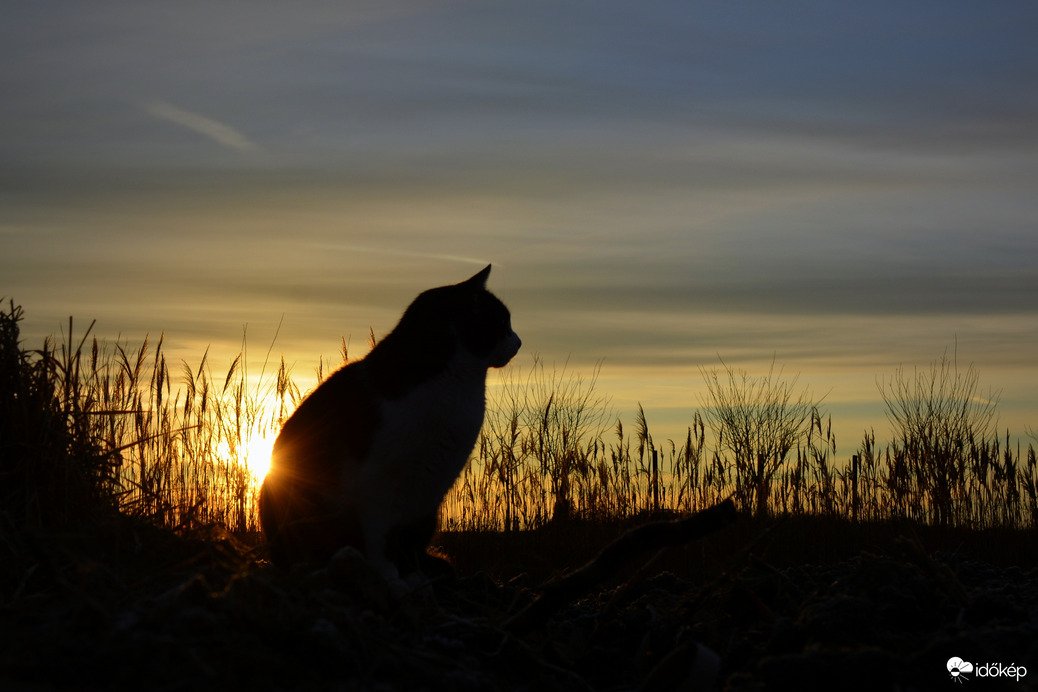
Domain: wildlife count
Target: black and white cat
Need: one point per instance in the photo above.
(366, 459)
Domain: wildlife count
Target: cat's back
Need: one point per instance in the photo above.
(334, 424)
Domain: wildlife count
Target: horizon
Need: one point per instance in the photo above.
(842, 190)
(620, 394)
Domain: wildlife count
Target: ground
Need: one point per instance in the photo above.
(801, 604)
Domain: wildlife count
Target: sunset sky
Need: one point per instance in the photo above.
(845, 187)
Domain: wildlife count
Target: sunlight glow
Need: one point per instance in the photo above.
(257, 455)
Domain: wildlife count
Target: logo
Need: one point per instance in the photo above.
(960, 670)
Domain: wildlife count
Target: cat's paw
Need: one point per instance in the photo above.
(352, 572)
(411, 586)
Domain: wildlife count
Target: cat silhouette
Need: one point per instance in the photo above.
(367, 458)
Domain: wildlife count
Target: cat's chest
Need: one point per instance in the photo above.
(433, 427)
(442, 405)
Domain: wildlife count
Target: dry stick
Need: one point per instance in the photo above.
(624, 549)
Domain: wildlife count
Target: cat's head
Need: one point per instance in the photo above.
(464, 315)
(489, 331)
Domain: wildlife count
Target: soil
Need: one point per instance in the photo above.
(799, 604)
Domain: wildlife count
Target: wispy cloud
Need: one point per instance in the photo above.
(343, 247)
(213, 129)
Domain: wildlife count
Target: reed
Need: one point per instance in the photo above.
(771, 448)
(91, 428)
(54, 468)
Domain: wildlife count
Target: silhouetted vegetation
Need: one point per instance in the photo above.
(758, 421)
(91, 428)
(54, 465)
(759, 441)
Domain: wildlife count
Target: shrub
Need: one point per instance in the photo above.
(941, 422)
(760, 420)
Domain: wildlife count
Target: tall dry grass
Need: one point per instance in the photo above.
(759, 441)
(89, 427)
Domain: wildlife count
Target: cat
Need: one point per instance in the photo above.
(367, 458)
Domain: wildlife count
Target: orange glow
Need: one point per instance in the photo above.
(257, 455)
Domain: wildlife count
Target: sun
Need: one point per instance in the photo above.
(257, 455)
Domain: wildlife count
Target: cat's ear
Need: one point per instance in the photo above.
(480, 279)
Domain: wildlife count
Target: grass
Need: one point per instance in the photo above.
(90, 429)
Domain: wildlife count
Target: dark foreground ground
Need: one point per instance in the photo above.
(798, 604)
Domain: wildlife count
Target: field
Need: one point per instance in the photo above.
(130, 554)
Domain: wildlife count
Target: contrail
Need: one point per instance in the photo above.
(214, 130)
(346, 247)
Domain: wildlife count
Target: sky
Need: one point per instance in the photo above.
(841, 188)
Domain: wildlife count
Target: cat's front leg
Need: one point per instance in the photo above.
(382, 554)
(376, 530)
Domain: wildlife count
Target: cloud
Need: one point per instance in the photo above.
(346, 247)
(213, 129)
